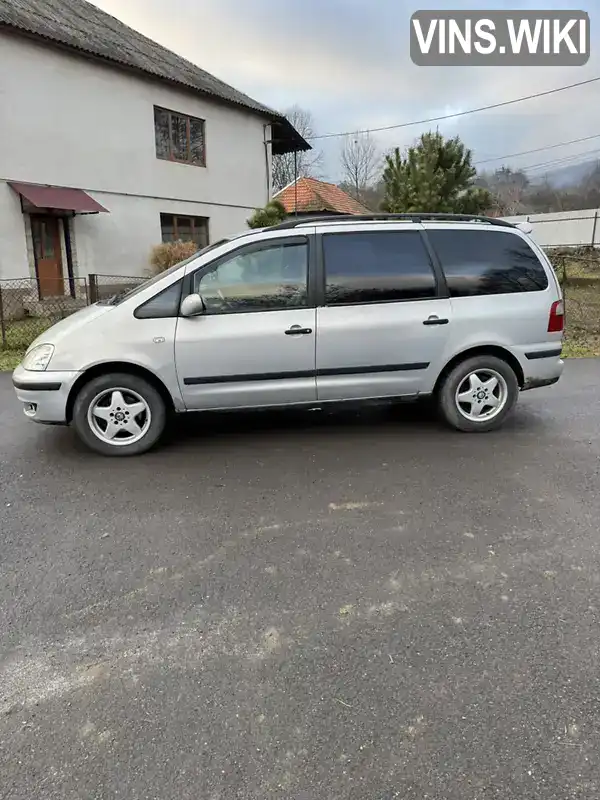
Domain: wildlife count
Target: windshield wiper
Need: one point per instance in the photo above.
(115, 298)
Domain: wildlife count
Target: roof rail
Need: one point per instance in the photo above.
(414, 217)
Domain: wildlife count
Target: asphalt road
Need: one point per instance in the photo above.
(308, 607)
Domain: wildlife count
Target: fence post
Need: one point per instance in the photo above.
(594, 228)
(2, 324)
(93, 284)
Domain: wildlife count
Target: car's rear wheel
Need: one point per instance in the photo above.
(119, 415)
(478, 394)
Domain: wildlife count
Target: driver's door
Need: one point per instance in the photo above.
(254, 345)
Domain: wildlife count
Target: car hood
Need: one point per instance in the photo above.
(69, 325)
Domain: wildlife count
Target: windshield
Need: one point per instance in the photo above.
(120, 297)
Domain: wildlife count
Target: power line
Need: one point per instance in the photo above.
(563, 160)
(537, 150)
(557, 162)
(458, 113)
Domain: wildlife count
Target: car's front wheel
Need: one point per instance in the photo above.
(119, 415)
(478, 394)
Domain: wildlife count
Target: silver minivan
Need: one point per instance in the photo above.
(463, 309)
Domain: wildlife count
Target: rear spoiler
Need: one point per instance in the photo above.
(525, 227)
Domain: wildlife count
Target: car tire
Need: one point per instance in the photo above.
(119, 415)
(478, 394)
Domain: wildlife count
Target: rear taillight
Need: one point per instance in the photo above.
(556, 322)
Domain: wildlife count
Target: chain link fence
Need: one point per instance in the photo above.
(101, 287)
(26, 311)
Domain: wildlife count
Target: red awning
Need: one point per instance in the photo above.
(58, 197)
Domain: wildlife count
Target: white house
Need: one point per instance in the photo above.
(110, 144)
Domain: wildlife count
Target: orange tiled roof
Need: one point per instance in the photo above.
(314, 195)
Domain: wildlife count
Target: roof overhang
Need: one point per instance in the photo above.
(57, 198)
(285, 138)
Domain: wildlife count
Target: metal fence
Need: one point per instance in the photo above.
(101, 287)
(27, 308)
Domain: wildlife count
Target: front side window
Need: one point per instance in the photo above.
(176, 228)
(179, 137)
(266, 278)
(487, 262)
(376, 267)
(164, 304)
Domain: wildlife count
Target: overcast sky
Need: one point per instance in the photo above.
(348, 62)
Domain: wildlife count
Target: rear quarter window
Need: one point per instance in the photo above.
(487, 262)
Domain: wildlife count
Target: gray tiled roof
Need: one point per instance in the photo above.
(81, 26)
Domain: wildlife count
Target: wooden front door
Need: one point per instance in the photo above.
(48, 260)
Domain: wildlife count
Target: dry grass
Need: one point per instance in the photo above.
(9, 359)
(574, 264)
(19, 335)
(578, 269)
(582, 333)
(581, 348)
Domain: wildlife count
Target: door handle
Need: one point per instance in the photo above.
(296, 330)
(435, 321)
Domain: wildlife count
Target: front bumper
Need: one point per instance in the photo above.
(44, 395)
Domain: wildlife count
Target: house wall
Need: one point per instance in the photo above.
(13, 242)
(74, 122)
(105, 245)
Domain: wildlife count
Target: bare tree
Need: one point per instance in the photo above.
(360, 162)
(509, 189)
(308, 162)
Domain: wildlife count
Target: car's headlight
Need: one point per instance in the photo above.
(38, 358)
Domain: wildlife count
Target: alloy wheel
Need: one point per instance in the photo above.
(119, 416)
(481, 395)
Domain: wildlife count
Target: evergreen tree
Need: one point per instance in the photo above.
(272, 214)
(435, 175)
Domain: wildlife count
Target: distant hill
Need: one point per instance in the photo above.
(568, 176)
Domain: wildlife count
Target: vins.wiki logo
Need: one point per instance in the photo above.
(497, 38)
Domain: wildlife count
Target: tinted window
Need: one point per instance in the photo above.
(165, 304)
(487, 262)
(376, 267)
(265, 279)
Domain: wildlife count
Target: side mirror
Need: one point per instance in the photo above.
(192, 306)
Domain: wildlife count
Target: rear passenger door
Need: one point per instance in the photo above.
(383, 318)
(500, 292)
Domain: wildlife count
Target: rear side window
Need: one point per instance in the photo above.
(485, 262)
(376, 267)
